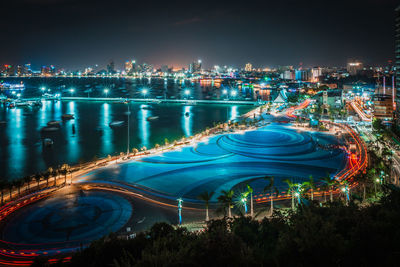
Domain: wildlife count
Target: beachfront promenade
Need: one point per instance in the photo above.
(151, 100)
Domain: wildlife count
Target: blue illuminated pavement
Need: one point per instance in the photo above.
(228, 161)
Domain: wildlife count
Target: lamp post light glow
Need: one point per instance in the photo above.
(244, 201)
(233, 93)
(18, 95)
(72, 90)
(106, 92)
(187, 93)
(43, 89)
(346, 190)
(180, 210)
(144, 92)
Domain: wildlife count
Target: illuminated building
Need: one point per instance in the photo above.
(397, 64)
(195, 66)
(27, 69)
(20, 70)
(353, 67)
(111, 67)
(302, 75)
(315, 74)
(248, 67)
(164, 69)
(288, 75)
(383, 107)
(128, 66)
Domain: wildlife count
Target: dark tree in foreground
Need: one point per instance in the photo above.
(312, 235)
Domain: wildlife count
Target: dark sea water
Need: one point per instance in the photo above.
(89, 135)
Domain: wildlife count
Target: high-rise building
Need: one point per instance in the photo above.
(302, 75)
(248, 67)
(354, 66)
(316, 72)
(397, 65)
(27, 69)
(195, 66)
(111, 67)
(164, 69)
(128, 66)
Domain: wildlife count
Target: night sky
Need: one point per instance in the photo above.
(79, 33)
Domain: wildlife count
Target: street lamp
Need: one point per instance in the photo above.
(233, 93)
(72, 90)
(18, 95)
(43, 88)
(144, 92)
(106, 92)
(180, 210)
(244, 201)
(346, 190)
(187, 92)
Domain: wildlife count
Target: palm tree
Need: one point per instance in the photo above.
(346, 189)
(226, 198)
(3, 185)
(18, 184)
(250, 191)
(64, 170)
(46, 176)
(363, 180)
(329, 184)
(310, 184)
(371, 174)
(28, 180)
(206, 197)
(10, 186)
(55, 174)
(38, 176)
(293, 188)
(272, 189)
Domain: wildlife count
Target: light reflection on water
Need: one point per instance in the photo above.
(144, 126)
(89, 134)
(187, 120)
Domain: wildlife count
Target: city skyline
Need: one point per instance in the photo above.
(76, 34)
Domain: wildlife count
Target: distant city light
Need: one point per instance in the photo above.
(225, 91)
(187, 92)
(233, 93)
(43, 88)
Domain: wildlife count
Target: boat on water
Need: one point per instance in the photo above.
(54, 123)
(11, 86)
(21, 104)
(67, 116)
(147, 107)
(48, 142)
(50, 129)
(116, 124)
(152, 118)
